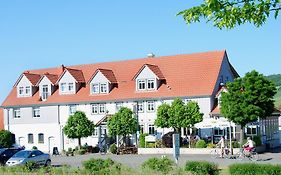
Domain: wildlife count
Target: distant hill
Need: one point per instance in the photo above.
(276, 78)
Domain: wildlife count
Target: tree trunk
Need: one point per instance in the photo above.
(79, 143)
(241, 136)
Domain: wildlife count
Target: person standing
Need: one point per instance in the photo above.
(221, 143)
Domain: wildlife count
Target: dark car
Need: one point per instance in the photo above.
(6, 154)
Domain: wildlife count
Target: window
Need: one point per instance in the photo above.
(118, 106)
(102, 108)
(95, 88)
(27, 90)
(218, 132)
(70, 87)
(40, 138)
(95, 133)
(150, 106)
(251, 130)
(63, 87)
(95, 108)
(72, 109)
(141, 129)
(103, 88)
(30, 138)
(20, 90)
(151, 130)
(45, 92)
(17, 113)
(140, 107)
(150, 84)
(36, 112)
(141, 84)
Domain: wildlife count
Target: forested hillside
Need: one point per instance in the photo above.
(276, 78)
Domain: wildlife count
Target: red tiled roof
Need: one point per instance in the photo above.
(1, 119)
(53, 78)
(76, 73)
(107, 73)
(155, 69)
(32, 77)
(186, 75)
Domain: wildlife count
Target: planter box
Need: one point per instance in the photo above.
(182, 150)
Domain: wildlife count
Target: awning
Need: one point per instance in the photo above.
(213, 123)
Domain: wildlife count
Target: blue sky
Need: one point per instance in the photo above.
(40, 34)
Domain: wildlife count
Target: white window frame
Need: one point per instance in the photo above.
(103, 88)
(28, 90)
(150, 104)
(141, 129)
(118, 105)
(70, 87)
(21, 91)
(63, 87)
(41, 140)
(102, 106)
(71, 111)
(36, 112)
(93, 86)
(95, 132)
(96, 107)
(140, 109)
(30, 140)
(17, 113)
(149, 81)
(141, 81)
(150, 128)
(45, 94)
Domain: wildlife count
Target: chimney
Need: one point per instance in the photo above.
(150, 55)
(62, 68)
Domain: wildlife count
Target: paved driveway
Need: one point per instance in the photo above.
(135, 161)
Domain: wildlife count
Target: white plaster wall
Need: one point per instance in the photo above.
(45, 81)
(146, 73)
(99, 78)
(49, 130)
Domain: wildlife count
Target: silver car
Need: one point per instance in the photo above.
(24, 156)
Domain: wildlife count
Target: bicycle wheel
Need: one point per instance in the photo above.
(254, 156)
(214, 154)
(239, 155)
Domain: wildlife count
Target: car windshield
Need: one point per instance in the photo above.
(2, 150)
(22, 154)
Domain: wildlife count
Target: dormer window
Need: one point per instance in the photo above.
(63, 87)
(45, 92)
(70, 87)
(102, 81)
(20, 90)
(47, 85)
(148, 78)
(26, 84)
(27, 90)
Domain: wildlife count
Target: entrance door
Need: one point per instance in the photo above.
(51, 144)
(21, 141)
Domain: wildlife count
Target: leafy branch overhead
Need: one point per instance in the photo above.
(230, 13)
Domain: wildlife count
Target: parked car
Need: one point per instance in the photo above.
(6, 154)
(24, 156)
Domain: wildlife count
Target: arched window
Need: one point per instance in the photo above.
(30, 138)
(41, 138)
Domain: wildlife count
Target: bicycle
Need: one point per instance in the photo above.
(251, 155)
(216, 153)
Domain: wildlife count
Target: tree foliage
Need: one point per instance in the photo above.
(78, 126)
(248, 98)
(5, 138)
(178, 115)
(122, 123)
(230, 13)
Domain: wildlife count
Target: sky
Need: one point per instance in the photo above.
(41, 34)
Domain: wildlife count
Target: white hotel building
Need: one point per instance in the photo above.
(41, 101)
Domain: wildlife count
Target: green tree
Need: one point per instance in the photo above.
(248, 99)
(178, 115)
(78, 126)
(6, 138)
(122, 123)
(230, 13)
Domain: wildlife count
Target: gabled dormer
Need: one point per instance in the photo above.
(26, 84)
(70, 81)
(47, 85)
(148, 78)
(102, 81)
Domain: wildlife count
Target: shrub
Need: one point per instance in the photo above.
(142, 140)
(34, 148)
(96, 149)
(30, 166)
(6, 138)
(254, 169)
(159, 143)
(211, 145)
(257, 140)
(201, 144)
(113, 148)
(201, 168)
(163, 165)
(81, 151)
(100, 166)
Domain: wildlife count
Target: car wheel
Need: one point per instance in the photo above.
(48, 162)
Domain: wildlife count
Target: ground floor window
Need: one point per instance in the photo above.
(151, 130)
(251, 130)
(30, 138)
(141, 129)
(218, 132)
(40, 138)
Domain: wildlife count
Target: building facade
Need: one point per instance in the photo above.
(41, 101)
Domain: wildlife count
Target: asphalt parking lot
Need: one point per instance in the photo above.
(135, 161)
